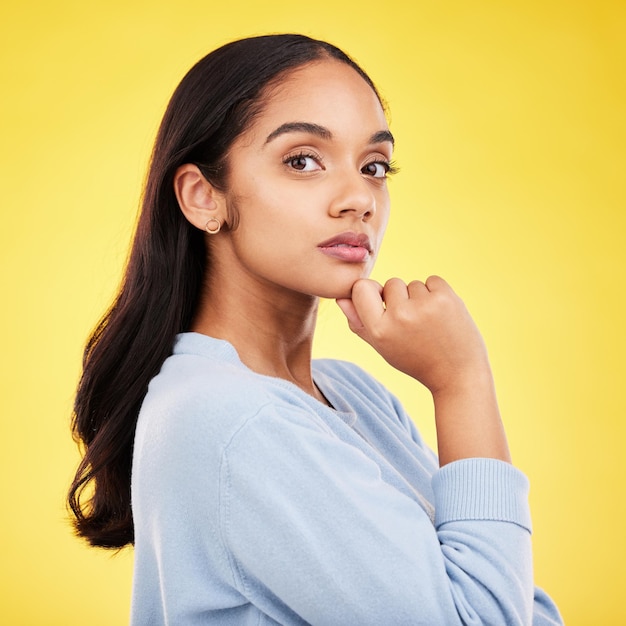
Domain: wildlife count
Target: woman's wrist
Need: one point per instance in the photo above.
(468, 419)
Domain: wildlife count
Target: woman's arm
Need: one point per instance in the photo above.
(314, 532)
(425, 331)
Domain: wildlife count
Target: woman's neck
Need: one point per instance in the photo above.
(271, 330)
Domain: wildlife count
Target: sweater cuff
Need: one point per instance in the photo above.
(481, 489)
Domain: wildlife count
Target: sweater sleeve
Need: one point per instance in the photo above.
(315, 535)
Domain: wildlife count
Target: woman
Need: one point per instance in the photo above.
(266, 488)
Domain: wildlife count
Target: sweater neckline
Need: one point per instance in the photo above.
(212, 348)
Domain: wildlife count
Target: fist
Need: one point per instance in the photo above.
(421, 329)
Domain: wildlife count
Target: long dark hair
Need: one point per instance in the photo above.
(212, 106)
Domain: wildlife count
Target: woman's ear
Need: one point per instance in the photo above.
(198, 199)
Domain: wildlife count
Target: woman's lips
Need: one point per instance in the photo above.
(349, 247)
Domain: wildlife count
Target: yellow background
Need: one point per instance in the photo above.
(510, 124)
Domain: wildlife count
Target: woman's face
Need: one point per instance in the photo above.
(307, 182)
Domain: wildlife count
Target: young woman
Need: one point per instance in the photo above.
(267, 488)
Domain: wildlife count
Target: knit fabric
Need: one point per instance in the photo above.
(254, 503)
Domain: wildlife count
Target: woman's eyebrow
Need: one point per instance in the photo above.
(322, 132)
(300, 127)
(381, 136)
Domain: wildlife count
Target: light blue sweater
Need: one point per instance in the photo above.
(255, 504)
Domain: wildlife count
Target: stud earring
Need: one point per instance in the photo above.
(215, 229)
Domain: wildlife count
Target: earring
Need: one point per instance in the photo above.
(215, 229)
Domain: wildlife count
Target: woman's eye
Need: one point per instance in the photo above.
(303, 163)
(377, 169)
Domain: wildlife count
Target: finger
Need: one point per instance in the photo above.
(436, 283)
(347, 307)
(368, 302)
(417, 289)
(395, 292)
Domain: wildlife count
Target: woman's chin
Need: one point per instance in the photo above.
(336, 286)
(340, 289)
(344, 291)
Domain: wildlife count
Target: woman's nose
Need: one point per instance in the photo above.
(354, 196)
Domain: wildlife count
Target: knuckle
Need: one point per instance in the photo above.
(404, 315)
(435, 280)
(376, 334)
(393, 286)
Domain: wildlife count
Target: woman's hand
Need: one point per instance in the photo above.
(422, 329)
(425, 331)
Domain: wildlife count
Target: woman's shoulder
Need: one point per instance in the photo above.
(202, 388)
(349, 378)
(350, 387)
(344, 370)
(205, 391)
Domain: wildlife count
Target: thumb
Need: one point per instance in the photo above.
(348, 309)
